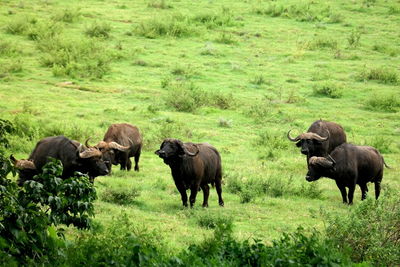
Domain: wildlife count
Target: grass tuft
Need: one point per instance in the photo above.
(386, 103)
(120, 196)
(161, 4)
(380, 74)
(328, 89)
(99, 30)
(172, 26)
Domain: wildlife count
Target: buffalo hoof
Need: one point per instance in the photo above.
(205, 205)
(221, 204)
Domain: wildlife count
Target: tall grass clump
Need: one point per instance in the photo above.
(211, 20)
(328, 89)
(161, 4)
(209, 220)
(354, 38)
(303, 12)
(380, 74)
(120, 196)
(173, 26)
(371, 230)
(270, 145)
(17, 26)
(99, 30)
(67, 15)
(44, 31)
(323, 42)
(187, 97)
(75, 58)
(9, 49)
(387, 103)
(9, 67)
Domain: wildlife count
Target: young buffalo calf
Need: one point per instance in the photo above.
(193, 166)
(349, 165)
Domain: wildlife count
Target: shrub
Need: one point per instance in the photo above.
(259, 80)
(225, 38)
(67, 15)
(380, 74)
(354, 38)
(75, 59)
(120, 196)
(210, 220)
(371, 230)
(213, 20)
(174, 26)
(387, 103)
(28, 216)
(161, 4)
(328, 89)
(44, 31)
(382, 143)
(323, 42)
(97, 29)
(8, 67)
(17, 26)
(9, 49)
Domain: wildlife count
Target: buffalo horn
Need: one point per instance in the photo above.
(86, 142)
(90, 152)
(117, 146)
(293, 139)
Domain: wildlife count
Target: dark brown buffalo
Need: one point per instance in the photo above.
(73, 156)
(121, 142)
(349, 165)
(193, 166)
(320, 139)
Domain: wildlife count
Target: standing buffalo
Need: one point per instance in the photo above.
(121, 142)
(193, 166)
(320, 139)
(349, 165)
(73, 156)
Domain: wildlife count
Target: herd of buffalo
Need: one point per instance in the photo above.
(195, 166)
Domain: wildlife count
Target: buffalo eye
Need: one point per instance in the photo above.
(298, 144)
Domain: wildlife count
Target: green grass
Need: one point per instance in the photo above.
(235, 74)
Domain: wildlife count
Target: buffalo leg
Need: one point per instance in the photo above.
(364, 190)
(377, 189)
(193, 193)
(219, 192)
(342, 189)
(182, 190)
(128, 164)
(137, 156)
(206, 193)
(351, 193)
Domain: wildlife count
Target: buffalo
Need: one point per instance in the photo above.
(320, 139)
(349, 165)
(73, 156)
(120, 142)
(193, 166)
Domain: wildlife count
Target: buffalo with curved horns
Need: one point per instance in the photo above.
(193, 166)
(349, 165)
(121, 142)
(320, 139)
(73, 156)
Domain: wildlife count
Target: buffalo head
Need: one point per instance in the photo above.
(310, 143)
(320, 166)
(91, 159)
(173, 149)
(109, 150)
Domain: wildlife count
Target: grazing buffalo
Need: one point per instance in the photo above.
(73, 156)
(320, 139)
(193, 166)
(349, 165)
(121, 142)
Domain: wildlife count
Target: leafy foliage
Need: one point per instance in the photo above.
(371, 230)
(28, 216)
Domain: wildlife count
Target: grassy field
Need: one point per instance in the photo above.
(236, 74)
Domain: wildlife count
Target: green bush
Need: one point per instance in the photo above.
(328, 89)
(222, 18)
(44, 31)
(17, 26)
(76, 59)
(120, 196)
(371, 230)
(209, 220)
(9, 49)
(354, 39)
(173, 26)
(67, 15)
(380, 74)
(161, 4)
(387, 103)
(97, 29)
(29, 216)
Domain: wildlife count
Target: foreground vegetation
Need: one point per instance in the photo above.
(236, 74)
